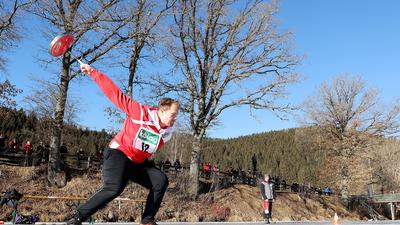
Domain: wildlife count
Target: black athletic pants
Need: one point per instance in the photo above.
(118, 169)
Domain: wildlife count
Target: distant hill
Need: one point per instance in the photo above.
(289, 154)
(282, 153)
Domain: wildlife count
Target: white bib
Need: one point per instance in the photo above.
(146, 140)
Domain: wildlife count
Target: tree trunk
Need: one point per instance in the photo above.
(194, 167)
(344, 185)
(132, 72)
(55, 176)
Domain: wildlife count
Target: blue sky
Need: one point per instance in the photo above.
(336, 37)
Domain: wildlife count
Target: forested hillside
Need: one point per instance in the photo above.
(24, 126)
(291, 154)
(279, 153)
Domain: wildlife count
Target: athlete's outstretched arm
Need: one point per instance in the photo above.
(126, 104)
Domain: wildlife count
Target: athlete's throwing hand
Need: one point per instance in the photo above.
(86, 68)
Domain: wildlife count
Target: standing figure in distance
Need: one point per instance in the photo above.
(144, 132)
(267, 194)
(28, 148)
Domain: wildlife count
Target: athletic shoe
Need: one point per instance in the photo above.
(74, 221)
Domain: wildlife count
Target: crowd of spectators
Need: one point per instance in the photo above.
(14, 145)
(27, 148)
(252, 177)
(36, 153)
(166, 165)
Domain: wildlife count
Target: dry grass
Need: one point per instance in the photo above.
(236, 203)
(244, 204)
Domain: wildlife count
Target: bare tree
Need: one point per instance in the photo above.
(226, 54)
(387, 161)
(95, 25)
(43, 100)
(351, 121)
(143, 32)
(7, 92)
(10, 13)
(142, 35)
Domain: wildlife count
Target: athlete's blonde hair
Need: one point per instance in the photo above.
(165, 103)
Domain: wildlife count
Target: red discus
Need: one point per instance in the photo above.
(61, 44)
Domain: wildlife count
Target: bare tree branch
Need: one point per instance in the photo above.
(43, 101)
(10, 12)
(142, 35)
(7, 92)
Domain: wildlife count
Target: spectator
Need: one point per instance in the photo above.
(40, 151)
(2, 141)
(177, 165)
(231, 173)
(63, 148)
(277, 183)
(254, 164)
(207, 170)
(302, 189)
(215, 168)
(241, 176)
(272, 180)
(295, 187)
(283, 184)
(81, 154)
(28, 148)
(46, 153)
(268, 195)
(13, 145)
(99, 154)
(167, 165)
(318, 190)
(327, 191)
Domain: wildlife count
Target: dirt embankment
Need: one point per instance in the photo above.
(236, 203)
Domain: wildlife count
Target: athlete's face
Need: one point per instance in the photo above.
(168, 116)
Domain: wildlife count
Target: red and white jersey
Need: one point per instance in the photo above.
(141, 134)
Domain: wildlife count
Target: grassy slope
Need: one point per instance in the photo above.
(236, 203)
